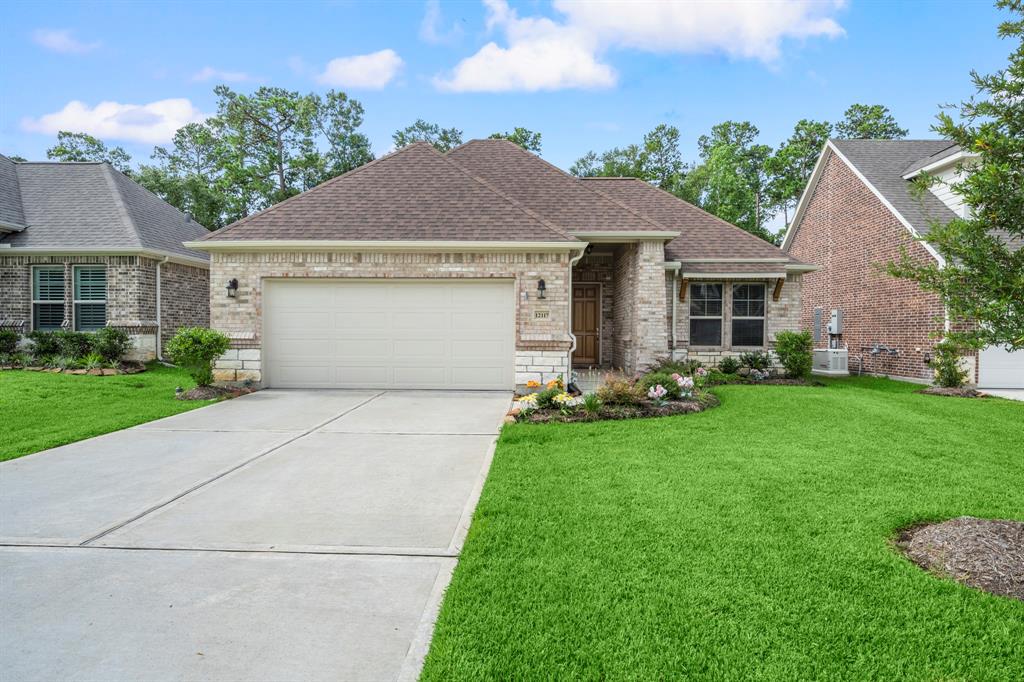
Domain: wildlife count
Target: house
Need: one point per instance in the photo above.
(485, 268)
(82, 246)
(856, 214)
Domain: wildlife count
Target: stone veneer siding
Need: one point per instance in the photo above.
(851, 234)
(131, 294)
(541, 344)
(781, 315)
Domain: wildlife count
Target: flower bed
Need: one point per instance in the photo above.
(97, 353)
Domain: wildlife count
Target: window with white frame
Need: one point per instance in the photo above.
(90, 297)
(748, 314)
(705, 314)
(47, 297)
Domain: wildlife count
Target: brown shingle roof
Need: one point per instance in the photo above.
(701, 235)
(413, 194)
(547, 189)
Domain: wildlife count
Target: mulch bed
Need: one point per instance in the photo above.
(124, 368)
(611, 412)
(952, 392)
(981, 553)
(214, 392)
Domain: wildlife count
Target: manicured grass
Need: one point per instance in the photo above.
(39, 410)
(750, 541)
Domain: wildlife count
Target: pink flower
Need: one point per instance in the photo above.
(657, 392)
(701, 372)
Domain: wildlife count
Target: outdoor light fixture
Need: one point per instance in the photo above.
(232, 288)
(541, 288)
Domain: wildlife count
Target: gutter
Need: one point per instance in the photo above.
(572, 349)
(278, 245)
(194, 261)
(159, 313)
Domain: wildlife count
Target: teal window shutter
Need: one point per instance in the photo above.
(90, 297)
(47, 297)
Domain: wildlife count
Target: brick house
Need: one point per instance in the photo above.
(485, 268)
(82, 246)
(856, 214)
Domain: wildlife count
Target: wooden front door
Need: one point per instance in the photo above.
(586, 316)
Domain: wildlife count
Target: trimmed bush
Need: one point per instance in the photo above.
(112, 343)
(794, 351)
(949, 373)
(546, 398)
(196, 349)
(73, 344)
(44, 344)
(9, 341)
(618, 390)
(756, 360)
(728, 365)
(664, 379)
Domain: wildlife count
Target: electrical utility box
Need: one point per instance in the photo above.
(835, 322)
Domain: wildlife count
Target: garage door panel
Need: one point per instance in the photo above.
(1000, 368)
(389, 334)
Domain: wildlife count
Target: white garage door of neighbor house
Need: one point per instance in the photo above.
(999, 368)
(443, 334)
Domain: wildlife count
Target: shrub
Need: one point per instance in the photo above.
(756, 360)
(728, 365)
(195, 349)
(65, 362)
(591, 403)
(73, 344)
(946, 362)
(112, 343)
(92, 361)
(546, 398)
(618, 390)
(663, 379)
(44, 344)
(9, 341)
(685, 367)
(794, 351)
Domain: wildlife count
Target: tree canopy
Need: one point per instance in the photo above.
(525, 138)
(869, 122)
(83, 147)
(790, 167)
(982, 280)
(443, 139)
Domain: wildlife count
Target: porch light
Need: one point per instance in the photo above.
(541, 288)
(232, 287)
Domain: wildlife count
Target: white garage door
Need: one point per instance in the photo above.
(999, 368)
(389, 334)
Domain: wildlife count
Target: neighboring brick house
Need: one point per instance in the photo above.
(857, 213)
(485, 268)
(82, 246)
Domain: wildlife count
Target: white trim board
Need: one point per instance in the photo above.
(271, 245)
(194, 261)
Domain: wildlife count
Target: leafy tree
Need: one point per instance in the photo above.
(17, 159)
(338, 119)
(84, 147)
(525, 138)
(869, 122)
(982, 281)
(656, 160)
(444, 139)
(731, 180)
(790, 167)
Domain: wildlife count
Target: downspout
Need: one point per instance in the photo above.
(572, 348)
(159, 312)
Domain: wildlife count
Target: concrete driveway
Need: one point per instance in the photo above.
(284, 535)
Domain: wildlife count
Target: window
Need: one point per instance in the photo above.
(47, 297)
(705, 314)
(748, 314)
(90, 297)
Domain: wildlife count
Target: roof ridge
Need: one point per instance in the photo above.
(120, 203)
(575, 179)
(557, 229)
(325, 183)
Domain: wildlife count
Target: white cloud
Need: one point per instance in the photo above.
(431, 30)
(208, 73)
(61, 40)
(545, 54)
(541, 55)
(372, 71)
(154, 123)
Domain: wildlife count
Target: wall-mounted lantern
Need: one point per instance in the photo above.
(232, 288)
(541, 288)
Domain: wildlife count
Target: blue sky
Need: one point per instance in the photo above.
(586, 76)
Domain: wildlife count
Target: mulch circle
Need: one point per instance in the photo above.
(985, 554)
(213, 392)
(952, 392)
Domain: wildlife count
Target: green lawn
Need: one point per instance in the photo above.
(747, 542)
(39, 410)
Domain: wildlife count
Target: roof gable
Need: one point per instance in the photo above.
(12, 217)
(413, 194)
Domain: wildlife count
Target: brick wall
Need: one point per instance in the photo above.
(542, 326)
(184, 298)
(851, 234)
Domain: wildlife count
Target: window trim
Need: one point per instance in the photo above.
(763, 317)
(720, 317)
(75, 301)
(33, 301)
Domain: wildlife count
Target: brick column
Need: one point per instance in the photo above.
(650, 335)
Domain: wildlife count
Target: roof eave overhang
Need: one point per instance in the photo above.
(293, 245)
(195, 261)
(8, 228)
(944, 162)
(621, 236)
(731, 275)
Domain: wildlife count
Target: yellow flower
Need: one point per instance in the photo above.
(562, 398)
(529, 398)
